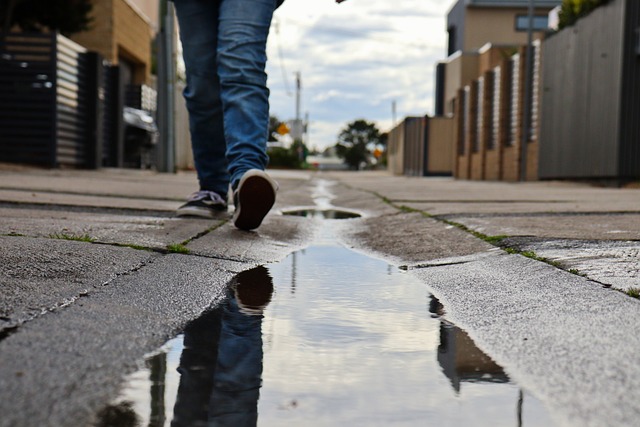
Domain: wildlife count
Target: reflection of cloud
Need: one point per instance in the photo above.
(355, 59)
(355, 345)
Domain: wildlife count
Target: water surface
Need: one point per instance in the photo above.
(328, 337)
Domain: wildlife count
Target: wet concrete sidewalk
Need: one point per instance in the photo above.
(96, 272)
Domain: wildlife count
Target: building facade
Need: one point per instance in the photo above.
(123, 34)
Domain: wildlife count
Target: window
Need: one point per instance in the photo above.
(540, 22)
(452, 46)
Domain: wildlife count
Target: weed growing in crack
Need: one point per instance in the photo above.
(577, 272)
(134, 246)
(178, 248)
(495, 240)
(633, 292)
(75, 237)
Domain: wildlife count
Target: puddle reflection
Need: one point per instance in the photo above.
(322, 214)
(350, 346)
(461, 360)
(221, 363)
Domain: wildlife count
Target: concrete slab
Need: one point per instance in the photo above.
(614, 263)
(146, 231)
(38, 276)
(131, 183)
(565, 339)
(70, 362)
(410, 237)
(107, 202)
(565, 226)
(276, 238)
(447, 196)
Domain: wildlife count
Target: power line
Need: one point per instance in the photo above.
(276, 27)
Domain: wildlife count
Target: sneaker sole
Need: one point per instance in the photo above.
(256, 196)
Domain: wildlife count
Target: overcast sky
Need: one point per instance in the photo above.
(355, 59)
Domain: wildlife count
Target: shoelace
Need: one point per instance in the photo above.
(204, 194)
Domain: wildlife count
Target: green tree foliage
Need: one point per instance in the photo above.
(356, 142)
(274, 124)
(66, 16)
(572, 10)
(288, 158)
(292, 157)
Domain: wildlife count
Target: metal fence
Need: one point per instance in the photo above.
(61, 105)
(28, 99)
(589, 72)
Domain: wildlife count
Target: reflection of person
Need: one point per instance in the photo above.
(224, 49)
(221, 364)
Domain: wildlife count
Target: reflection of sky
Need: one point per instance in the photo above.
(348, 340)
(355, 344)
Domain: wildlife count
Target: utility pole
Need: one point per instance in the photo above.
(165, 114)
(528, 92)
(298, 90)
(297, 126)
(393, 113)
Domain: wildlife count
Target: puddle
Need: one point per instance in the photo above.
(322, 213)
(326, 337)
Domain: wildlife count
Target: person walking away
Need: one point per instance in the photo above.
(224, 49)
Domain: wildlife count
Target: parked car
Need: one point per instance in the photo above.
(140, 138)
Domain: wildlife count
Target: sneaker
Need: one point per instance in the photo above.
(253, 290)
(203, 204)
(253, 198)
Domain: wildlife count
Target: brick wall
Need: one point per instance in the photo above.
(511, 154)
(100, 37)
(119, 31)
(133, 36)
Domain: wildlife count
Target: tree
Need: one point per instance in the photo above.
(356, 142)
(572, 10)
(66, 16)
(274, 125)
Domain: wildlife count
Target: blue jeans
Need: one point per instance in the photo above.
(224, 49)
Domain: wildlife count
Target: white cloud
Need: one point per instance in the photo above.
(355, 60)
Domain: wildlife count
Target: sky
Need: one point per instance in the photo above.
(355, 59)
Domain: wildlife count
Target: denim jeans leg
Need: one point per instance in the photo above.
(242, 39)
(199, 35)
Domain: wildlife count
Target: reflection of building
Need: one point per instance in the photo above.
(462, 361)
